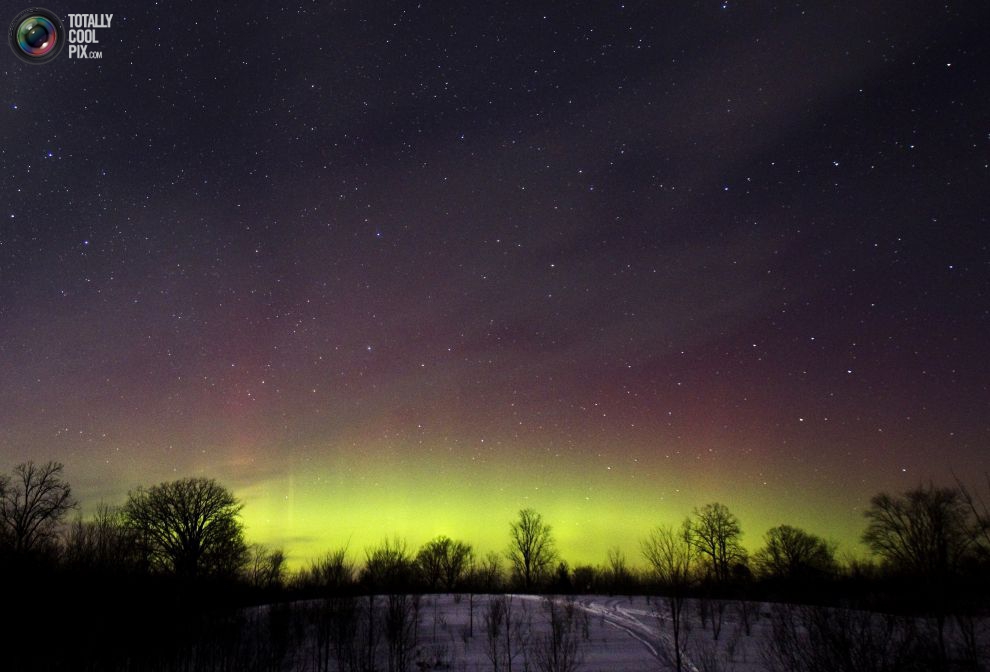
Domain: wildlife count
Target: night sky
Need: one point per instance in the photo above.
(399, 268)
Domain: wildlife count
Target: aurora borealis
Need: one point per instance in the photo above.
(396, 269)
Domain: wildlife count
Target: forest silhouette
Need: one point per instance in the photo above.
(167, 580)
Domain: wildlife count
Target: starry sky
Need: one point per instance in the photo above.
(400, 268)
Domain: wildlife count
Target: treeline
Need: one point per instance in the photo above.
(167, 580)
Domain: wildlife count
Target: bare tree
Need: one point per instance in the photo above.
(484, 576)
(560, 649)
(337, 617)
(190, 527)
(337, 632)
(333, 572)
(490, 576)
(816, 638)
(104, 542)
(980, 512)
(617, 573)
(443, 562)
(670, 555)
(968, 616)
(388, 571)
(267, 567)
(388, 567)
(924, 532)
(494, 622)
(714, 531)
(791, 553)
(429, 561)
(32, 506)
(505, 632)
(531, 549)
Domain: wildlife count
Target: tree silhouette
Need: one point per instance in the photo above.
(924, 532)
(388, 570)
(791, 553)
(388, 567)
(714, 531)
(104, 542)
(333, 573)
(531, 549)
(443, 561)
(267, 567)
(981, 517)
(616, 573)
(488, 573)
(670, 556)
(32, 506)
(561, 648)
(821, 638)
(189, 527)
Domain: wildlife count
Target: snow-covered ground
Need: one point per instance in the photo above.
(608, 634)
(623, 634)
(598, 634)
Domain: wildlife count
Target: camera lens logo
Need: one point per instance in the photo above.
(36, 35)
